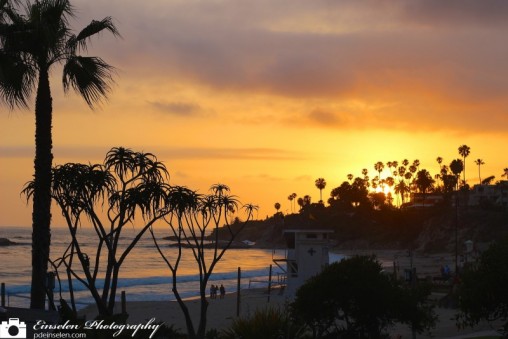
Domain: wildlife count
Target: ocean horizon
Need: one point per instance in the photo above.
(144, 276)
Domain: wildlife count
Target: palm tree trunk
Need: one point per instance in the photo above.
(41, 216)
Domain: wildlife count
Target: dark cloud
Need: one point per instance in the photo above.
(325, 118)
(183, 109)
(456, 12)
(443, 57)
(229, 153)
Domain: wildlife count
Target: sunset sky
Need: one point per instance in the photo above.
(267, 96)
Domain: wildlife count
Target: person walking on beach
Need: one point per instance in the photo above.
(213, 291)
(222, 291)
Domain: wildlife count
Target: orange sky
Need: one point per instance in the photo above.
(268, 96)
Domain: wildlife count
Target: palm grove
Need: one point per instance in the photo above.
(395, 182)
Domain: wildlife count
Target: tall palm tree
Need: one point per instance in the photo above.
(457, 166)
(379, 166)
(33, 39)
(439, 162)
(290, 198)
(505, 174)
(464, 151)
(402, 189)
(277, 206)
(293, 195)
(479, 162)
(320, 184)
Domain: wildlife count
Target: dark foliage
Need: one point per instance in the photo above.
(483, 293)
(355, 299)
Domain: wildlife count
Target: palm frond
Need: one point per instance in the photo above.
(6, 11)
(93, 28)
(17, 80)
(89, 76)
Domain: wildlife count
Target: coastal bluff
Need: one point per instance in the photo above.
(429, 230)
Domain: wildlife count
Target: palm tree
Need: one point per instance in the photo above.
(350, 177)
(379, 166)
(464, 151)
(300, 203)
(424, 181)
(402, 189)
(505, 174)
(457, 166)
(293, 195)
(290, 198)
(320, 184)
(479, 162)
(277, 206)
(31, 43)
(416, 163)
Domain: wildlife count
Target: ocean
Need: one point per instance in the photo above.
(144, 276)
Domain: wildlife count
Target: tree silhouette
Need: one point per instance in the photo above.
(320, 184)
(350, 195)
(424, 181)
(464, 151)
(291, 198)
(439, 161)
(193, 219)
(31, 43)
(457, 166)
(505, 173)
(488, 180)
(277, 206)
(402, 189)
(300, 202)
(379, 166)
(128, 183)
(479, 162)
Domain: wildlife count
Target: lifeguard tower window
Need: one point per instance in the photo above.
(290, 240)
(293, 268)
(311, 236)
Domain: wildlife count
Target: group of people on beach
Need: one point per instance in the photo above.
(214, 289)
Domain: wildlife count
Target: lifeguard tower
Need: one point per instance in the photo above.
(306, 256)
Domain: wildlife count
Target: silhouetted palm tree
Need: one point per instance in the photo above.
(424, 181)
(464, 151)
(479, 162)
(300, 203)
(291, 198)
(277, 207)
(306, 200)
(294, 198)
(379, 166)
(457, 166)
(31, 43)
(320, 184)
(416, 163)
(350, 177)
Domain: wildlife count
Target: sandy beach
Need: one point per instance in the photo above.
(221, 312)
